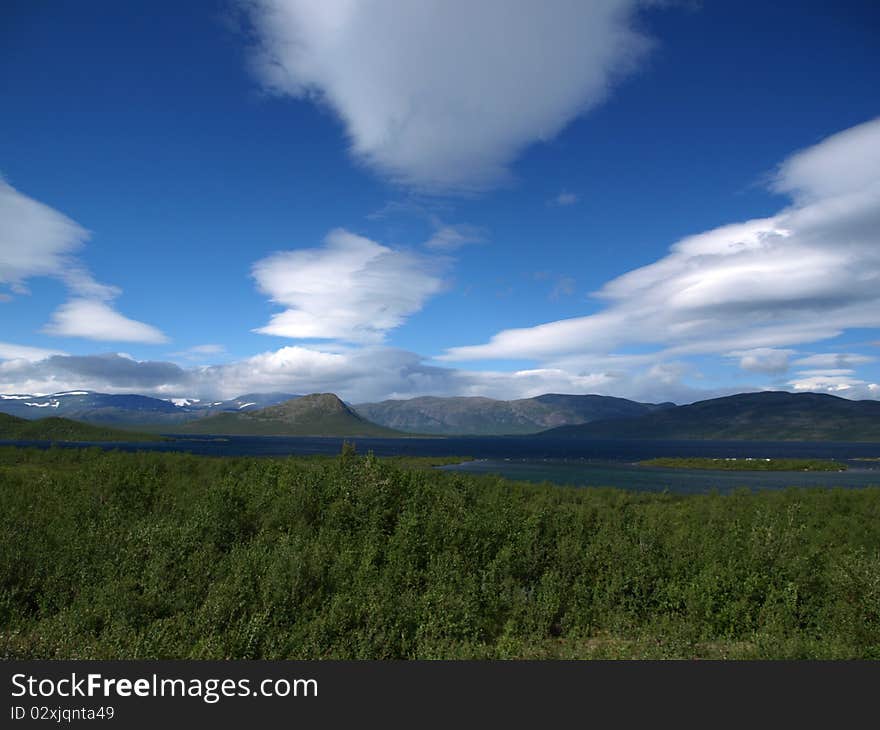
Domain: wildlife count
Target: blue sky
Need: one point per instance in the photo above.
(394, 199)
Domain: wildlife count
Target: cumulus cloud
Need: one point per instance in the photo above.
(96, 320)
(443, 94)
(764, 360)
(834, 372)
(351, 289)
(804, 275)
(36, 240)
(842, 384)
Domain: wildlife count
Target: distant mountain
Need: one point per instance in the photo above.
(488, 417)
(54, 428)
(129, 410)
(767, 416)
(319, 414)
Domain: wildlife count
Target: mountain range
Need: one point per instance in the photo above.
(766, 416)
(489, 417)
(769, 415)
(129, 410)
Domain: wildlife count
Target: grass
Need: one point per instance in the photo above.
(168, 555)
(746, 464)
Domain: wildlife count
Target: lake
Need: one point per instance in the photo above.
(564, 461)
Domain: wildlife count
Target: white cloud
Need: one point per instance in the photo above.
(198, 352)
(36, 240)
(108, 373)
(450, 237)
(833, 360)
(10, 351)
(841, 384)
(95, 320)
(443, 94)
(846, 162)
(565, 198)
(207, 349)
(358, 374)
(763, 360)
(350, 289)
(807, 274)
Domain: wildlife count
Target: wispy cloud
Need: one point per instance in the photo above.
(432, 106)
(36, 240)
(564, 287)
(451, 237)
(804, 275)
(564, 199)
(833, 360)
(198, 352)
(10, 351)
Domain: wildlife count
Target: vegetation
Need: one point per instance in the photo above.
(169, 555)
(768, 416)
(746, 464)
(63, 429)
(319, 414)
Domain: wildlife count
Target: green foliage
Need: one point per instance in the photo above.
(138, 555)
(63, 429)
(697, 462)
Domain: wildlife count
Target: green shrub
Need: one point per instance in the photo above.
(137, 555)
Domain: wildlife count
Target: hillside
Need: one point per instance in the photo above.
(319, 414)
(13, 428)
(490, 417)
(129, 409)
(768, 416)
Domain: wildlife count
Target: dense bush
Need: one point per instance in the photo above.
(121, 555)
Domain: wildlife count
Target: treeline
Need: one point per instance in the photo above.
(140, 555)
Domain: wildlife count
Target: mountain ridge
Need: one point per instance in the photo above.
(316, 414)
(481, 416)
(126, 410)
(760, 416)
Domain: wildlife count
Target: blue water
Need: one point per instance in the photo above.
(652, 479)
(565, 461)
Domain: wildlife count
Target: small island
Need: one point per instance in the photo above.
(745, 464)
